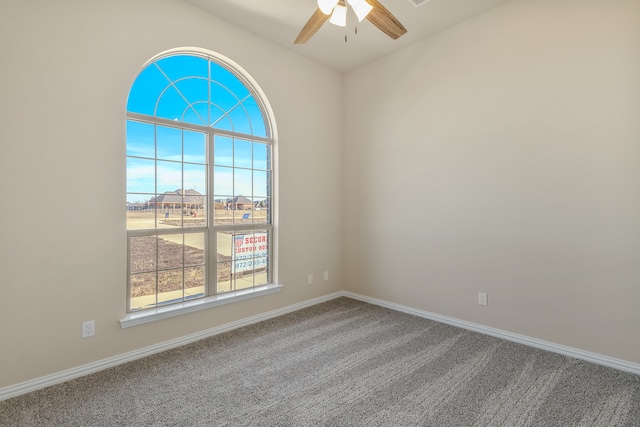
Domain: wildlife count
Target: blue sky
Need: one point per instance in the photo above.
(163, 158)
(195, 90)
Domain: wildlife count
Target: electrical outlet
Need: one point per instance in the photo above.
(482, 299)
(310, 279)
(88, 329)
(326, 275)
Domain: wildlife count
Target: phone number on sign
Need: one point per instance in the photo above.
(250, 264)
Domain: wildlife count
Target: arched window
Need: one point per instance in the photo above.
(199, 181)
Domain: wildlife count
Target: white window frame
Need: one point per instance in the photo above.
(211, 298)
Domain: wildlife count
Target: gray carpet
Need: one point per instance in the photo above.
(341, 363)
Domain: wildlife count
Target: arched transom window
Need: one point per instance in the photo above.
(199, 182)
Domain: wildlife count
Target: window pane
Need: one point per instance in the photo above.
(242, 185)
(223, 151)
(145, 91)
(194, 249)
(195, 211)
(222, 180)
(261, 182)
(257, 120)
(260, 214)
(169, 143)
(224, 242)
(261, 276)
(262, 244)
(195, 148)
(169, 176)
(139, 214)
(223, 212)
(242, 154)
(178, 66)
(169, 216)
(243, 216)
(245, 280)
(140, 139)
(241, 207)
(141, 174)
(228, 79)
(224, 277)
(195, 178)
(170, 286)
(142, 256)
(143, 290)
(194, 282)
(248, 245)
(260, 156)
(251, 250)
(170, 251)
(241, 250)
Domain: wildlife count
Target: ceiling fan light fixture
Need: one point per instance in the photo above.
(339, 16)
(326, 6)
(335, 11)
(361, 8)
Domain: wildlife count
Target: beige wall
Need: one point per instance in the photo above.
(515, 139)
(64, 79)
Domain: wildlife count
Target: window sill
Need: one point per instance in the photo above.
(151, 315)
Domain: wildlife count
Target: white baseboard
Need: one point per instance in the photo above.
(587, 356)
(69, 374)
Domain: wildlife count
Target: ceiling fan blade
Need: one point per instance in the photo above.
(384, 20)
(311, 27)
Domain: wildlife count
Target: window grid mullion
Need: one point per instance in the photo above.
(193, 127)
(212, 243)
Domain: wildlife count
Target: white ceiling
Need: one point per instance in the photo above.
(281, 20)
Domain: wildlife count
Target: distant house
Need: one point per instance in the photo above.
(239, 203)
(187, 199)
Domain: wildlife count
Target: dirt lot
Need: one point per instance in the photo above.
(170, 256)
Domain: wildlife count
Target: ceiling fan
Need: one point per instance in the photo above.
(336, 12)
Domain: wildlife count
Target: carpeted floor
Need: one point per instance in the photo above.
(341, 363)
